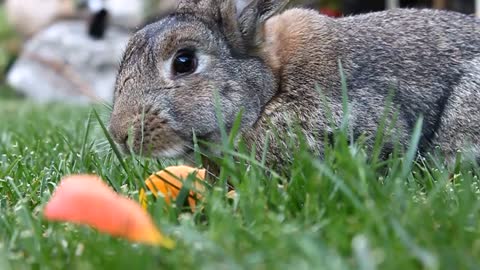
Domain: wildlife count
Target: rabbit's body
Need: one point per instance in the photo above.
(271, 67)
(430, 58)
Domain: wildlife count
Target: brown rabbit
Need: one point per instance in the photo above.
(270, 65)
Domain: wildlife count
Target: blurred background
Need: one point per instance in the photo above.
(68, 50)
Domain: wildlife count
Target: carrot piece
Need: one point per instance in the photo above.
(87, 200)
(165, 182)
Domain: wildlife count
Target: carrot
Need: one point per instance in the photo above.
(87, 200)
(168, 183)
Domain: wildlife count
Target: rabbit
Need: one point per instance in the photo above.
(281, 65)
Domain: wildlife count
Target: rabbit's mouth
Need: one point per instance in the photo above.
(152, 136)
(180, 147)
(172, 151)
(161, 145)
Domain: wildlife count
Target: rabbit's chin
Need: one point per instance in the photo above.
(172, 151)
(177, 150)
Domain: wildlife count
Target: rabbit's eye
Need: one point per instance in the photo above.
(184, 62)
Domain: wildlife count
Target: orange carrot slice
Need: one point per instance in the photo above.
(87, 200)
(165, 182)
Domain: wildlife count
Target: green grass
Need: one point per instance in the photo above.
(9, 48)
(345, 212)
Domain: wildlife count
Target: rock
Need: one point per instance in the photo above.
(62, 63)
(126, 13)
(30, 16)
(134, 14)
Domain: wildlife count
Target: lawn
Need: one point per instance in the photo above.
(346, 212)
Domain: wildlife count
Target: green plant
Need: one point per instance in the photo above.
(347, 211)
(9, 48)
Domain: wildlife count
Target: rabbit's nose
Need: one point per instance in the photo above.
(119, 136)
(122, 138)
(118, 131)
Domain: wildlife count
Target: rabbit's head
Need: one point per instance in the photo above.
(173, 72)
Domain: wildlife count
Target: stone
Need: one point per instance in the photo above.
(126, 13)
(30, 16)
(63, 63)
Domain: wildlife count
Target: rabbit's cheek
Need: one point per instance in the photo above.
(237, 99)
(192, 113)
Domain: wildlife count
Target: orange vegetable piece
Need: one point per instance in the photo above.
(232, 194)
(165, 182)
(87, 200)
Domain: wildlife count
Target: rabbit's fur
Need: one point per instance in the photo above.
(272, 65)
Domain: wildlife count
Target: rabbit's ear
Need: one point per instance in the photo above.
(240, 20)
(223, 13)
(241, 5)
(252, 14)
